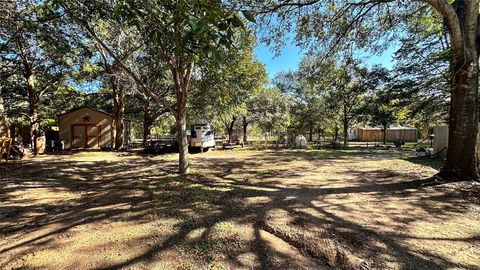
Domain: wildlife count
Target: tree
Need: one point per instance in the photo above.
(272, 109)
(329, 26)
(185, 33)
(124, 46)
(223, 91)
(181, 33)
(3, 119)
(109, 37)
(421, 73)
(381, 107)
(153, 76)
(36, 63)
(381, 112)
(307, 95)
(324, 89)
(345, 96)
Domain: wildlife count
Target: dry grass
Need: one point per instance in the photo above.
(245, 209)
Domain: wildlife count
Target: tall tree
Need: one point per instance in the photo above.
(185, 33)
(346, 94)
(37, 60)
(324, 89)
(223, 91)
(181, 33)
(3, 119)
(306, 92)
(421, 73)
(381, 107)
(272, 110)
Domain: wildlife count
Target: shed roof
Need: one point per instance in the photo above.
(85, 107)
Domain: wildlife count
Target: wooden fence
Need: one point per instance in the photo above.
(376, 134)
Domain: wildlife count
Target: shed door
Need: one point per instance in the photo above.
(93, 136)
(86, 135)
(78, 136)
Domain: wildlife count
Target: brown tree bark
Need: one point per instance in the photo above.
(33, 102)
(181, 78)
(345, 126)
(245, 125)
(230, 126)
(384, 129)
(119, 116)
(181, 122)
(3, 119)
(461, 19)
(335, 133)
(147, 122)
(463, 144)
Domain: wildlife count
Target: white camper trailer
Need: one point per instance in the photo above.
(201, 136)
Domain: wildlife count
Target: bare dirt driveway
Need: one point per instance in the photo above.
(238, 209)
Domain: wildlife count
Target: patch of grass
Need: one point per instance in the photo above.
(224, 238)
(332, 153)
(229, 229)
(433, 162)
(207, 249)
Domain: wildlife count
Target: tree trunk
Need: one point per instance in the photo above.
(147, 122)
(245, 125)
(335, 135)
(119, 115)
(181, 80)
(384, 135)
(33, 110)
(345, 127)
(181, 121)
(3, 119)
(230, 128)
(426, 130)
(13, 134)
(463, 144)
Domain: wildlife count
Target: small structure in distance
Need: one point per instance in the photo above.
(89, 128)
(376, 134)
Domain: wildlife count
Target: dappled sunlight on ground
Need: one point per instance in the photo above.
(285, 209)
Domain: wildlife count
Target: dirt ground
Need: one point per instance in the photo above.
(241, 209)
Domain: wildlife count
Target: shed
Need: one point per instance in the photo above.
(440, 140)
(376, 134)
(87, 127)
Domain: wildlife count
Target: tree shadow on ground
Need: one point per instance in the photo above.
(239, 191)
(435, 162)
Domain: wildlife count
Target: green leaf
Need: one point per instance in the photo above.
(249, 16)
(237, 20)
(199, 27)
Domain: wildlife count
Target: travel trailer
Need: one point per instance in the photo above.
(201, 136)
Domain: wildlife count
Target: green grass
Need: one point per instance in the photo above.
(332, 153)
(433, 162)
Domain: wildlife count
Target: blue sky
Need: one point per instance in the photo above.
(290, 56)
